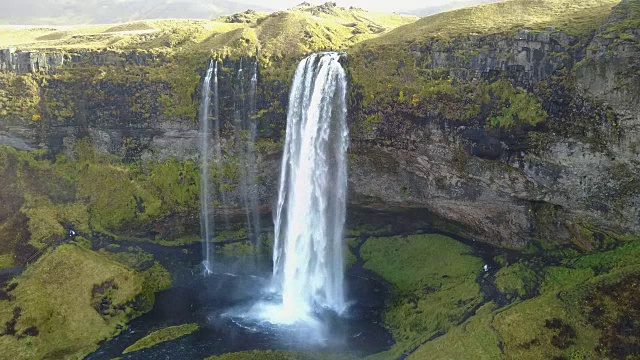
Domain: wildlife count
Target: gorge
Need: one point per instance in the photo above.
(503, 135)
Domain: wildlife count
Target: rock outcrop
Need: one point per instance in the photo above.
(39, 61)
(569, 172)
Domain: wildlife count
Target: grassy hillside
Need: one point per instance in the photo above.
(67, 302)
(188, 44)
(405, 76)
(436, 9)
(299, 30)
(566, 15)
(445, 307)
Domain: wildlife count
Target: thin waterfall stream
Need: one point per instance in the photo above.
(206, 216)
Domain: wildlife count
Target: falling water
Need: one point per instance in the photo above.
(310, 213)
(205, 195)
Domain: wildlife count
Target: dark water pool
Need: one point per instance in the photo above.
(215, 302)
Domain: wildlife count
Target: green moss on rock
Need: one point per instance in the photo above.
(434, 277)
(19, 96)
(517, 281)
(280, 355)
(162, 335)
(472, 338)
(55, 308)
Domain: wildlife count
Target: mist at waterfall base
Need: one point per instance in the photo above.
(237, 284)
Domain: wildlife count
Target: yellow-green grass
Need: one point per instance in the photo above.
(91, 193)
(525, 332)
(56, 295)
(280, 355)
(162, 335)
(579, 270)
(293, 33)
(46, 219)
(350, 258)
(417, 261)
(19, 95)
(474, 338)
(574, 17)
(573, 308)
(6, 261)
(434, 278)
(574, 316)
(517, 280)
(276, 34)
(147, 35)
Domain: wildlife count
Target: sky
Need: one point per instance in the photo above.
(371, 5)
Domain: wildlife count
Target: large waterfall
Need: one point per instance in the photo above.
(206, 216)
(308, 251)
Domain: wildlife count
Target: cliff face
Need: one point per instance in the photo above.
(512, 137)
(517, 138)
(24, 61)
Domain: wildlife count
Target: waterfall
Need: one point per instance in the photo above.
(206, 221)
(309, 222)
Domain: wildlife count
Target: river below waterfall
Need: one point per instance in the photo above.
(239, 282)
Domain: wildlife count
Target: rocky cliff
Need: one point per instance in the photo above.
(519, 137)
(519, 134)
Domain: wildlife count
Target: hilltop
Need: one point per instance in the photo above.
(301, 29)
(573, 17)
(435, 9)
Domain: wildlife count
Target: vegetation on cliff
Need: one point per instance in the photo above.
(174, 52)
(422, 65)
(70, 297)
(49, 196)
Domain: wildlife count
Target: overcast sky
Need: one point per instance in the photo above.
(372, 5)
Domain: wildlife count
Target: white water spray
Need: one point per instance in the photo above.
(309, 226)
